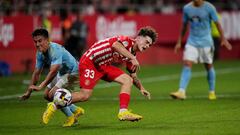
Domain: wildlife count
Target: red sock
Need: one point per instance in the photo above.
(124, 99)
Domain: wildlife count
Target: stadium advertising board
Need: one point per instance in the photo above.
(15, 35)
(15, 32)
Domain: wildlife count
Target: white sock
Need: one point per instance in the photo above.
(123, 110)
(181, 90)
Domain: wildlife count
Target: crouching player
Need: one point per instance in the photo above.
(62, 73)
(96, 64)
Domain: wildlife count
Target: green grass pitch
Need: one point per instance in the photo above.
(162, 116)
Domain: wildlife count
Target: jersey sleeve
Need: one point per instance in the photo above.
(39, 61)
(56, 57)
(213, 13)
(126, 41)
(113, 40)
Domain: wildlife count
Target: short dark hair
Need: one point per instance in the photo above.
(40, 32)
(148, 31)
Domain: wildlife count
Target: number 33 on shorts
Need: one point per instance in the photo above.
(89, 73)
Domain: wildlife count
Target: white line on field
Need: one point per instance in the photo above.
(167, 97)
(147, 80)
(141, 98)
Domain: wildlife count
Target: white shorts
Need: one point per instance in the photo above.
(65, 81)
(201, 55)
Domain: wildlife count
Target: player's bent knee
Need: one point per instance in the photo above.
(127, 80)
(124, 79)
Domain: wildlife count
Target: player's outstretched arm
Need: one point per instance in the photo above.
(34, 80)
(139, 85)
(51, 74)
(224, 41)
(117, 46)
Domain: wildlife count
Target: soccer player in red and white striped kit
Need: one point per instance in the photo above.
(96, 64)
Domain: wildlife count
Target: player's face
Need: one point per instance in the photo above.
(41, 43)
(198, 2)
(143, 43)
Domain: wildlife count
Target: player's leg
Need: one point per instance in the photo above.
(206, 57)
(76, 110)
(124, 99)
(125, 91)
(88, 78)
(71, 111)
(211, 78)
(81, 96)
(67, 81)
(190, 56)
(51, 107)
(126, 82)
(46, 93)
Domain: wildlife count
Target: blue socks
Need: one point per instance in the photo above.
(185, 77)
(211, 77)
(73, 107)
(67, 111)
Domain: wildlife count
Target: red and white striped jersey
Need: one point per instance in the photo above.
(102, 53)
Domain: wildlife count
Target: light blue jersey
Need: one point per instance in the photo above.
(57, 54)
(200, 19)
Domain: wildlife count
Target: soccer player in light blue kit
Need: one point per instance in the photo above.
(199, 47)
(62, 73)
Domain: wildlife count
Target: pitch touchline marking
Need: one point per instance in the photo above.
(222, 96)
(145, 80)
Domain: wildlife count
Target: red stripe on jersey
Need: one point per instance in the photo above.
(101, 53)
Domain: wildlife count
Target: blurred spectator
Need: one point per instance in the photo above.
(6, 7)
(46, 13)
(168, 7)
(66, 24)
(14, 7)
(147, 7)
(77, 42)
(46, 23)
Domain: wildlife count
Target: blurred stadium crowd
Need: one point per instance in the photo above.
(89, 7)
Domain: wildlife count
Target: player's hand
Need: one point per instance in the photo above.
(146, 94)
(177, 47)
(135, 65)
(26, 95)
(35, 88)
(225, 43)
